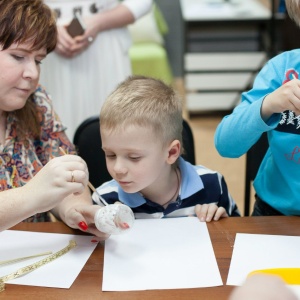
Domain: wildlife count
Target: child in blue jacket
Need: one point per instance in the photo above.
(272, 106)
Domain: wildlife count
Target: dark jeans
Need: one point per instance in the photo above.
(261, 208)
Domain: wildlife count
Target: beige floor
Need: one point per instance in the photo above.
(203, 127)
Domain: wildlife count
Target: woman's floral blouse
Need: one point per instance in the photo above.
(20, 160)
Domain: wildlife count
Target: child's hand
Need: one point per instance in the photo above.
(286, 97)
(207, 212)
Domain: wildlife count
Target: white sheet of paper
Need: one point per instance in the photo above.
(59, 273)
(259, 251)
(173, 253)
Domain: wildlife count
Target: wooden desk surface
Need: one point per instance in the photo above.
(88, 284)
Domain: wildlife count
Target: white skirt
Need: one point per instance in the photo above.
(78, 86)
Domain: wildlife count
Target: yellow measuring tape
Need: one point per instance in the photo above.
(72, 244)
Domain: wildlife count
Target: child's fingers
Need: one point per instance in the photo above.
(212, 209)
(205, 212)
(201, 211)
(220, 213)
(212, 212)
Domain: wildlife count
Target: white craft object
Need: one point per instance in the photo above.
(114, 218)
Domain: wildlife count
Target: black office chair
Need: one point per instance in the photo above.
(88, 144)
(254, 157)
(188, 143)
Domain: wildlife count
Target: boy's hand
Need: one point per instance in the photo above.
(207, 212)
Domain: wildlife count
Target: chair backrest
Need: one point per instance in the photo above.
(88, 144)
(188, 143)
(254, 158)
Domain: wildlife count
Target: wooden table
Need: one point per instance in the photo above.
(88, 283)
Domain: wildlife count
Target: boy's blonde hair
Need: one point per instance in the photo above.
(146, 102)
(293, 9)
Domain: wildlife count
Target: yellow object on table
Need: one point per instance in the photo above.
(288, 275)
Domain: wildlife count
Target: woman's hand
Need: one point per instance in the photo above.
(81, 216)
(207, 212)
(67, 46)
(59, 178)
(116, 17)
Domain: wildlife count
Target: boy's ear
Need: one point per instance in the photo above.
(173, 151)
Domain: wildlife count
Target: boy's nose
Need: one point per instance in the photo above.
(119, 167)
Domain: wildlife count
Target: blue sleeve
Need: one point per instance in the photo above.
(238, 131)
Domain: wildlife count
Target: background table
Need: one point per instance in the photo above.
(88, 283)
(227, 43)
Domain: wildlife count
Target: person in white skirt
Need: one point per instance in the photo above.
(85, 69)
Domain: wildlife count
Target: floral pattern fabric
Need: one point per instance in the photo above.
(20, 160)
